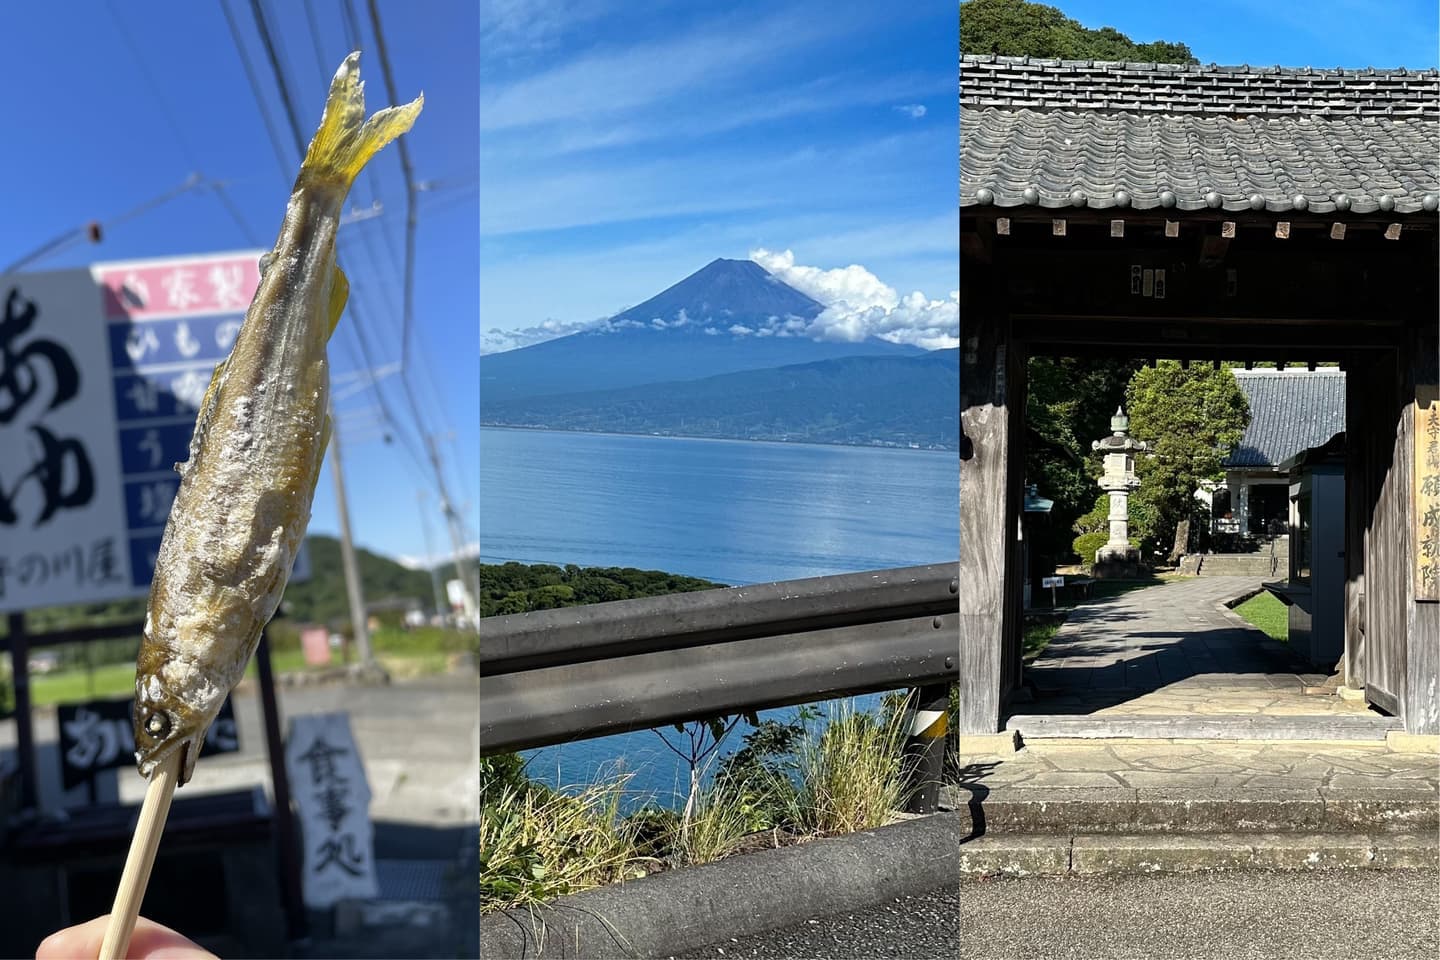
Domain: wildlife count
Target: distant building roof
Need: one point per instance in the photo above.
(1079, 133)
(1290, 411)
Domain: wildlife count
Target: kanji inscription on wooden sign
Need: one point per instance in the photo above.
(1427, 495)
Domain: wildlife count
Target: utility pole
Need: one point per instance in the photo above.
(457, 535)
(441, 606)
(347, 552)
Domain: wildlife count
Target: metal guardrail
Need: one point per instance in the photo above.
(578, 672)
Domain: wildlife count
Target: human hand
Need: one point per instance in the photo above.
(150, 941)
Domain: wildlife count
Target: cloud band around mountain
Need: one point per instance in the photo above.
(859, 305)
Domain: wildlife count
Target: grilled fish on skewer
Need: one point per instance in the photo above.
(260, 436)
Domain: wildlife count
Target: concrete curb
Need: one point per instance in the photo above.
(1027, 856)
(1148, 810)
(673, 913)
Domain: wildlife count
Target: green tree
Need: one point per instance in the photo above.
(1191, 419)
(1016, 28)
(1068, 404)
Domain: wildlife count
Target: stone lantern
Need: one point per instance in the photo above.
(1117, 558)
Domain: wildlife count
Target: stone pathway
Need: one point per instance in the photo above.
(1173, 650)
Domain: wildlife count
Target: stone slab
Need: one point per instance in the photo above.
(988, 745)
(1224, 810)
(1107, 855)
(1402, 809)
(1015, 856)
(1357, 728)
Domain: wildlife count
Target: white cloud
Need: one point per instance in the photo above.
(859, 305)
(912, 110)
(499, 341)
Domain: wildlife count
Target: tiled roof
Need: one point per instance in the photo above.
(1062, 133)
(1290, 411)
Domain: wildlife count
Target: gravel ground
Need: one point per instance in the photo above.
(1234, 916)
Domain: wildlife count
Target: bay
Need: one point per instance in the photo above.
(736, 512)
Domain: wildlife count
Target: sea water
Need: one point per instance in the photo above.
(736, 512)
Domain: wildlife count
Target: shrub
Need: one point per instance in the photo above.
(1087, 543)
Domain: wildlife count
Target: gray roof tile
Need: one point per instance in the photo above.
(1290, 411)
(1195, 138)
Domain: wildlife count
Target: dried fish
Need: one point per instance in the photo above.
(260, 436)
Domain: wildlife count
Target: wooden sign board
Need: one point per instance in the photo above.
(1426, 513)
(100, 735)
(327, 779)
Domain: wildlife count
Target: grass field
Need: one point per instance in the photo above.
(403, 653)
(1266, 611)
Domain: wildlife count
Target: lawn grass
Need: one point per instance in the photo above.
(1267, 612)
(1038, 636)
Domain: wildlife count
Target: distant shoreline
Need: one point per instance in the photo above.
(683, 436)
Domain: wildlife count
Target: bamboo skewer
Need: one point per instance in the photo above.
(136, 875)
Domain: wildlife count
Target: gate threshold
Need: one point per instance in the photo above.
(1183, 727)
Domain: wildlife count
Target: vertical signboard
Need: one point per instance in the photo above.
(102, 370)
(1427, 494)
(332, 796)
(167, 325)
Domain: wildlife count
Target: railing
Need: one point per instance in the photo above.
(574, 673)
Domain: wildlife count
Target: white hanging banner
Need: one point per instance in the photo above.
(333, 798)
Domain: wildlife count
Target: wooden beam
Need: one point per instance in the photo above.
(1310, 365)
(1249, 364)
(1212, 250)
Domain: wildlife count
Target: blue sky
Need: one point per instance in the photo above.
(89, 137)
(1291, 33)
(625, 146)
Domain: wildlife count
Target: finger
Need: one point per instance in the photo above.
(151, 941)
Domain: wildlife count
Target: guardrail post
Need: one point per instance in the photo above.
(924, 755)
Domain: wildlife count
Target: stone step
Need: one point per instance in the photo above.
(1021, 809)
(1191, 727)
(1242, 565)
(1028, 856)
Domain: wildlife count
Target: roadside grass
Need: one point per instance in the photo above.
(537, 844)
(1267, 612)
(850, 775)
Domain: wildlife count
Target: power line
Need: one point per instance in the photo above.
(255, 90)
(408, 309)
(93, 231)
(288, 103)
(174, 124)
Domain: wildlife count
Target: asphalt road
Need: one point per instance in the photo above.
(916, 928)
(1234, 916)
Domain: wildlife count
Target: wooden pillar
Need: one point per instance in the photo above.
(1387, 535)
(1357, 512)
(985, 506)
